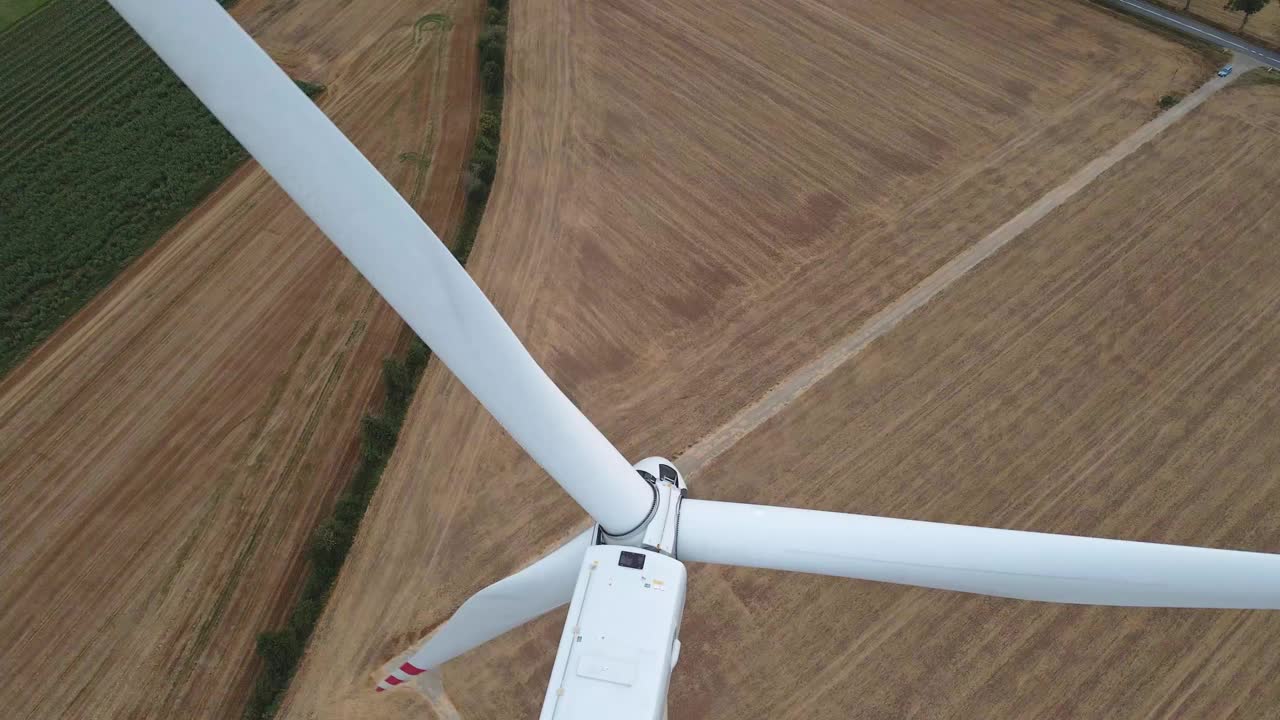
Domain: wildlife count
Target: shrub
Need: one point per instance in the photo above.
(477, 190)
(484, 165)
(349, 509)
(490, 125)
(416, 359)
(1168, 101)
(281, 650)
(329, 545)
(379, 437)
(493, 45)
(309, 88)
(491, 74)
(396, 377)
(305, 615)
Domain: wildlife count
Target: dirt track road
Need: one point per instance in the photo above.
(795, 385)
(164, 456)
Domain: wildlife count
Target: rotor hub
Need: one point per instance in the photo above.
(658, 532)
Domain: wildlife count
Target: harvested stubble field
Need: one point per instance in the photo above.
(164, 455)
(693, 201)
(1115, 372)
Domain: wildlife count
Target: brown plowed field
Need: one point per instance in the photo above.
(1115, 372)
(165, 455)
(693, 201)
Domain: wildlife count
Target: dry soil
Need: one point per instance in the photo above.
(165, 455)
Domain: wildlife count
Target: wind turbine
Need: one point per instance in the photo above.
(624, 579)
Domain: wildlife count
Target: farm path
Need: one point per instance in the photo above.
(792, 387)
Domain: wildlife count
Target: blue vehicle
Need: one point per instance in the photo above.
(1225, 71)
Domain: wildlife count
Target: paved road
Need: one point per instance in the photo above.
(1186, 25)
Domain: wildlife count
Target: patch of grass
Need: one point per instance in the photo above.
(281, 650)
(11, 11)
(1168, 101)
(430, 22)
(1259, 76)
(310, 89)
(421, 162)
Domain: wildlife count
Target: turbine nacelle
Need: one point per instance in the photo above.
(620, 638)
(619, 642)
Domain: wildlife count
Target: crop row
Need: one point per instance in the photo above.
(51, 27)
(84, 67)
(36, 29)
(46, 105)
(43, 120)
(80, 206)
(20, 85)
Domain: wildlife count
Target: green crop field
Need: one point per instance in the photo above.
(102, 149)
(11, 11)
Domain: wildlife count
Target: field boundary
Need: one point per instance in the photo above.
(791, 388)
(1212, 52)
(282, 650)
(1244, 35)
(105, 151)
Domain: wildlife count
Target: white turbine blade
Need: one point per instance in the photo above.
(1005, 563)
(513, 601)
(386, 240)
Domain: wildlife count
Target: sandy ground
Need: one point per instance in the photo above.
(680, 222)
(165, 455)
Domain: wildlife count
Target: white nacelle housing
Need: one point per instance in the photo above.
(619, 642)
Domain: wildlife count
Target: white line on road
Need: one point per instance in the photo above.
(1197, 30)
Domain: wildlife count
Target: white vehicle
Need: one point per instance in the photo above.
(625, 578)
(1225, 71)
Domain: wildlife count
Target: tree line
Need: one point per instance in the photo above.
(1248, 7)
(282, 649)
